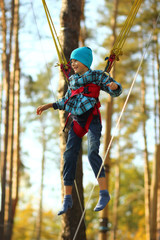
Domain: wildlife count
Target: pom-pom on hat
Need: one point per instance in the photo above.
(83, 55)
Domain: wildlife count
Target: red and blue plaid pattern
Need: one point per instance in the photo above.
(80, 104)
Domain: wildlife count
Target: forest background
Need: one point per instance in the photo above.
(134, 147)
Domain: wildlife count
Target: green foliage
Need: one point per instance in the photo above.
(131, 204)
(37, 93)
(131, 201)
(26, 229)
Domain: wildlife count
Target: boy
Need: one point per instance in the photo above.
(81, 101)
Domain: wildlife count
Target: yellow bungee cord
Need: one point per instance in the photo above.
(119, 43)
(65, 67)
(115, 52)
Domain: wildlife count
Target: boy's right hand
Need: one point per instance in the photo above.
(41, 108)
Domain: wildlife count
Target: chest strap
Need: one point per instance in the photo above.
(89, 90)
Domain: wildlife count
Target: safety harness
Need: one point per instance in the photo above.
(89, 90)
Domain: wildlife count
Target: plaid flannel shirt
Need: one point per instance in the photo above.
(80, 104)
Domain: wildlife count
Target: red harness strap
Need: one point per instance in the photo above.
(66, 70)
(89, 90)
(80, 131)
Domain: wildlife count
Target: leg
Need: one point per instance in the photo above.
(67, 203)
(69, 169)
(70, 157)
(103, 195)
(94, 135)
(95, 160)
(67, 190)
(103, 200)
(102, 183)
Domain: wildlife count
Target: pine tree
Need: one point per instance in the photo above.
(70, 21)
(11, 91)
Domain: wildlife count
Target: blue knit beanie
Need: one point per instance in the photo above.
(83, 55)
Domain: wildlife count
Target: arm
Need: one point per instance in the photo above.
(60, 104)
(42, 108)
(110, 86)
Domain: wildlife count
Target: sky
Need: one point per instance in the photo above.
(36, 27)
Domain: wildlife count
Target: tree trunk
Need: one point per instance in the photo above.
(107, 137)
(146, 163)
(16, 147)
(158, 198)
(158, 129)
(83, 31)
(40, 212)
(69, 38)
(5, 67)
(155, 215)
(116, 196)
(8, 207)
(10, 161)
(154, 188)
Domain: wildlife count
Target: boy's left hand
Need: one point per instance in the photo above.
(112, 86)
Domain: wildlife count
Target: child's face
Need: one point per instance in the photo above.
(78, 67)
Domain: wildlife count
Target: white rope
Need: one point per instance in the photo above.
(79, 199)
(116, 127)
